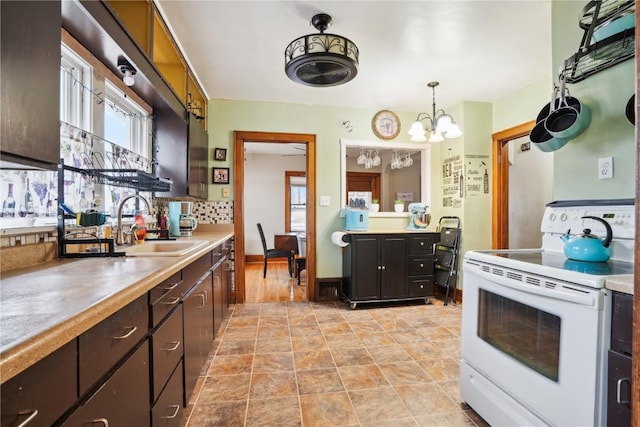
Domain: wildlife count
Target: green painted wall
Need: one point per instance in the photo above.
(609, 134)
(575, 165)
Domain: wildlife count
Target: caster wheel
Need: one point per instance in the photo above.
(353, 305)
(427, 301)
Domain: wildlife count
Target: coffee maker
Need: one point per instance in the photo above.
(181, 220)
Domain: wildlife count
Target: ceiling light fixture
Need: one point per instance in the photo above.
(321, 59)
(128, 70)
(439, 123)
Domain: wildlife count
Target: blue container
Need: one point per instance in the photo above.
(356, 219)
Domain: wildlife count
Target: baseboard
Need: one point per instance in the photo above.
(440, 291)
(260, 258)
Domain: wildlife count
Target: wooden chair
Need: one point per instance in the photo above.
(272, 253)
(300, 261)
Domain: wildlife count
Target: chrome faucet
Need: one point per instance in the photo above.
(120, 234)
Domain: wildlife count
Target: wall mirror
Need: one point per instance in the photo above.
(385, 171)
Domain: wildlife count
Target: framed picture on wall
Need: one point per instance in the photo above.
(220, 175)
(220, 154)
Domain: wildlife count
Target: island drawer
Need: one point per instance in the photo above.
(420, 266)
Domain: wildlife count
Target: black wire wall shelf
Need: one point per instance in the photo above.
(595, 55)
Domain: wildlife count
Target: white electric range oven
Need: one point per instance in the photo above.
(536, 325)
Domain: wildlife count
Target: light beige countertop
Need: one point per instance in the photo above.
(45, 306)
(622, 283)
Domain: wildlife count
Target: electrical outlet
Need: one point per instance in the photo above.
(225, 192)
(605, 168)
(325, 201)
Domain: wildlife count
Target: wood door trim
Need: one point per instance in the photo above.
(500, 182)
(240, 138)
(287, 197)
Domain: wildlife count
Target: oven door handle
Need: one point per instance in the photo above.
(586, 299)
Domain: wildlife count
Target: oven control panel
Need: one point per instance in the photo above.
(557, 220)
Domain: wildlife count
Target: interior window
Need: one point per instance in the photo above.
(297, 206)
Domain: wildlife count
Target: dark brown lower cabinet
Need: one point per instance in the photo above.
(43, 392)
(619, 390)
(619, 363)
(387, 267)
(167, 411)
(123, 400)
(198, 331)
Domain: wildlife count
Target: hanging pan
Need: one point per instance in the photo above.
(630, 110)
(539, 135)
(568, 121)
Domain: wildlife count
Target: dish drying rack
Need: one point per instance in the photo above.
(117, 167)
(593, 57)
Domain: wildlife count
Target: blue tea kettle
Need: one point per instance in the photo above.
(587, 246)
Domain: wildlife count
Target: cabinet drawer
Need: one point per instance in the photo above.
(420, 287)
(107, 342)
(420, 266)
(44, 391)
(195, 270)
(165, 297)
(422, 244)
(167, 411)
(123, 400)
(167, 349)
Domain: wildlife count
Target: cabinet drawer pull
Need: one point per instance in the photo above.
(204, 300)
(175, 346)
(171, 301)
(176, 408)
(619, 390)
(103, 421)
(127, 335)
(32, 414)
(421, 265)
(227, 266)
(173, 286)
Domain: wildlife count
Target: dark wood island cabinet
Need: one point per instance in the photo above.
(388, 267)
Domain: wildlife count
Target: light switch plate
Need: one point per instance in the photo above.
(325, 201)
(605, 168)
(225, 192)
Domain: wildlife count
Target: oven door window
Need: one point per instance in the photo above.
(526, 333)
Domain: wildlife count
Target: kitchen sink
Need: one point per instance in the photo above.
(165, 248)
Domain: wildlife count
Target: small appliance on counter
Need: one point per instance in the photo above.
(181, 220)
(420, 218)
(356, 219)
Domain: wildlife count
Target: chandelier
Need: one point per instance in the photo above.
(321, 59)
(440, 124)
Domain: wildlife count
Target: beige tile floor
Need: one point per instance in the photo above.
(323, 364)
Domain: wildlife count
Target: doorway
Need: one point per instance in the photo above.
(240, 139)
(500, 182)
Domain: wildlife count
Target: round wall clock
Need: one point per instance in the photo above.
(385, 124)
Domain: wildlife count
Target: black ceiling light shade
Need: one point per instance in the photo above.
(321, 59)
